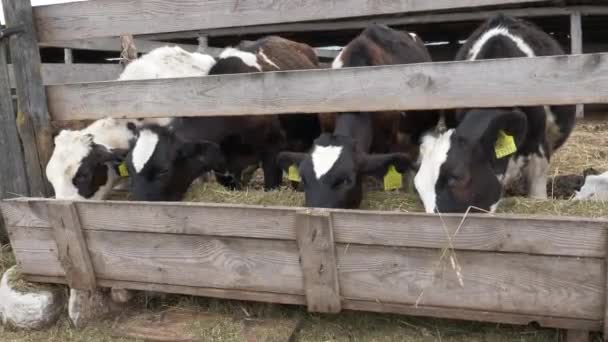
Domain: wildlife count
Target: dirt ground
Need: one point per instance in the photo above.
(224, 320)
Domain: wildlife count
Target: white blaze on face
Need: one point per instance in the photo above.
(433, 153)
(324, 158)
(500, 31)
(267, 60)
(144, 148)
(71, 147)
(338, 63)
(248, 58)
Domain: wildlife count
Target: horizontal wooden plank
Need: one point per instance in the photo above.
(104, 18)
(505, 283)
(525, 284)
(507, 82)
(234, 264)
(257, 296)
(36, 251)
(577, 236)
(75, 73)
(408, 19)
(350, 304)
(113, 44)
(474, 315)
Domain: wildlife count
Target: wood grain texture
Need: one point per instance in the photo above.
(13, 177)
(74, 73)
(357, 23)
(564, 236)
(349, 304)
(256, 296)
(507, 82)
(576, 47)
(113, 44)
(115, 17)
(504, 283)
(318, 258)
(71, 246)
(36, 251)
(33, 116)
(519, 283)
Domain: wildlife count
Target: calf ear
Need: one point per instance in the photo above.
(379, 163)
(103, 155)
(208, 153)
(481, 127)
(287, 159)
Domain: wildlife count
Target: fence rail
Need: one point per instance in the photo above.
(488, 83)
(103, 18)
(517, 268)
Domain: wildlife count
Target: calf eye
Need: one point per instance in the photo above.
(343, 183)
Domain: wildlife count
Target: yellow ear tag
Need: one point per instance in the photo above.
(505, 145)
(392, 179)
(122, 170)
(293, 174)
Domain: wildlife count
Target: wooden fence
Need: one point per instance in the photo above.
(514, 269)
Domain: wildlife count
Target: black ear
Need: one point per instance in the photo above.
(103, 155)
(379, 163)
(481, 126)
(206, 152)
(287, 159)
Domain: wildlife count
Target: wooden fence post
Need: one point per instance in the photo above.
(576, 48)
(71, 246)
(13, 178)
(129, 50)
(33, 120)
(315, 238)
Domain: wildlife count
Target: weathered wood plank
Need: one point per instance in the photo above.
(113, 44)
(507, 82)
(421, 310)
(576, 47)
(116, 17)
(473, 315)
(71, 246)
(33, 116)
(408, 19)
(524, 284)
(68, 57)
(564, 236)
(13, 177)
(36, 251)
(256, 296)
(74, 73)
(562, 287)
(316, 245)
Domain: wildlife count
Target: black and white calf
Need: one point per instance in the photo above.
(359, 144)
(83, 164)
(460, 168)
(165, 161)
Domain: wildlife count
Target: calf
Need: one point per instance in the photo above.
(468, 165)
(271, 53)
(359, 143)
(84, 163)
(168, 154)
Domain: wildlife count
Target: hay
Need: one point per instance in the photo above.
(393, 201)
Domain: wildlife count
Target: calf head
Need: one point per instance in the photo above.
(460, 169)
(81, 169)
(162, 166)
(332, 173)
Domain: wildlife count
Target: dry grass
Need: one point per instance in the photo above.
(586, 148)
